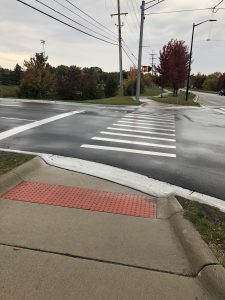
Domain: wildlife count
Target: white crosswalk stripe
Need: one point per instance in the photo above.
(138, 136)
(145, 127)
(146, 123)
(135, 129)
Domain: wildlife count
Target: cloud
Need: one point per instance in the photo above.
(22, 28)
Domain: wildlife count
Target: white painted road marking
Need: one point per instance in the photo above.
(149, 118)
(128, 150)
(146, 123)
(134, 143)
(149, 121)
(138, 136)
(23, 128)
(16, 105)
(17, 119)
(145, 127)
(141, 131)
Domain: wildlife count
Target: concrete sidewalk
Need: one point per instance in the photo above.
(52, 250)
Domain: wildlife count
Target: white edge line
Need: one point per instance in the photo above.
(126, 178)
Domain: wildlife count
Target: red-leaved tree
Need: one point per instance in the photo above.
(173, 66)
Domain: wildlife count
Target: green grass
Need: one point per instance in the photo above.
(152, 91)
(9, 161)
(210, 223)
(8, 91)
(179, 100)
(126, 100)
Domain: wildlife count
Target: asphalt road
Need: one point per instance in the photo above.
(211, 100)
(181, 146)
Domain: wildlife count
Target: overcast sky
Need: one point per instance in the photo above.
(22, 28)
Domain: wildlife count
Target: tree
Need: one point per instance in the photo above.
(111, 85)
(131, 82)
(70, 82)
(17, 74)
(173, 67)
(221, 82)
(38, 79)
(211, 83)
(198, 80)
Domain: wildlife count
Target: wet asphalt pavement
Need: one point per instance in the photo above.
(181, 146)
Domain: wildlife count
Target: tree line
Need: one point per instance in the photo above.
(212, 82)
(38, 79)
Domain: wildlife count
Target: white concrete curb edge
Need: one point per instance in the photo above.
(130, 179)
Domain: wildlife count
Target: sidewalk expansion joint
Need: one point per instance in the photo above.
(187, 275)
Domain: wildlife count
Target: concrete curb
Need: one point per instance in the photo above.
(213, 279)
(129, 179)
(197, 251)
(14, 177)
(205, 265)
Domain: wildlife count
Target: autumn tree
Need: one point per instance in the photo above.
(173, 66)
(38, 78)
(221, 82)
(198, 80)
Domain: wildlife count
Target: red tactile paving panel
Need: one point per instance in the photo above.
(88, 199)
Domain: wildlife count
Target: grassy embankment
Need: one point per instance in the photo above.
(152, 91)
(126, 100)
(210, 223)
(9, 161)
(8, 91)
(178, 100)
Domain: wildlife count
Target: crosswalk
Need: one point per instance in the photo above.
(221, 110)
(152, 134)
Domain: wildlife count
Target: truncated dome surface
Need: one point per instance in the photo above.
(81, 198)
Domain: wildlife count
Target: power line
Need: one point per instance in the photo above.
(132, 3)
(88, 16)
(77, 29)
(129, 57)
(76, 14)
(129, 49)
(73, 20)
(183, 10)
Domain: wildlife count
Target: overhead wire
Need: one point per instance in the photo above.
(76, 14)
(129, 57)
(71, 26)
(75, 6)
(72, 20)
(129, 50)
(183, 10)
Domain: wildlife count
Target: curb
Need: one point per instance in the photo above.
(205, 265)
(213, 279)
(197, 251)
(129, 179)
(14, 177)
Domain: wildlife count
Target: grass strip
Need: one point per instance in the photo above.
(178, 100)
(8, 91)
(210, 223)
(119, 100)
(152, 91)
(9, 161)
